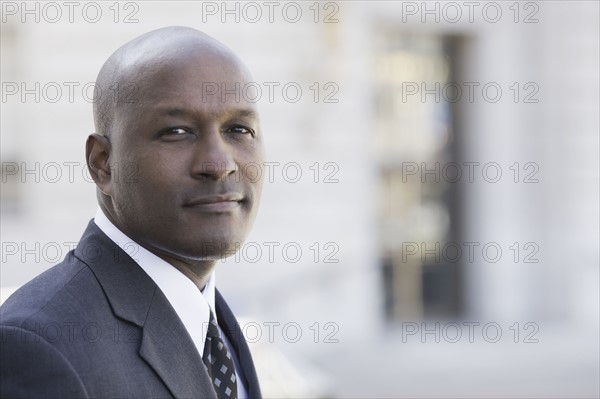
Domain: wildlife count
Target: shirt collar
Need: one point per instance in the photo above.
(191, 305)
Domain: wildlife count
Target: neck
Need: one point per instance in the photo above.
(199, 271)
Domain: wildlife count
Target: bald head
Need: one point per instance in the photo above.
(120, 80)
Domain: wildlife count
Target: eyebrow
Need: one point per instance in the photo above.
(233, 112)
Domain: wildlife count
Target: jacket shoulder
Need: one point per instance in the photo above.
(53, 285)
(31, 367)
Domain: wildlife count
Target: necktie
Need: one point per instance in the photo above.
(218, 362)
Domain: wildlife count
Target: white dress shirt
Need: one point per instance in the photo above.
(191, 305)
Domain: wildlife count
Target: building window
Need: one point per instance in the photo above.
(413, 142)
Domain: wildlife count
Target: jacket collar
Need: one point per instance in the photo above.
(166, 345)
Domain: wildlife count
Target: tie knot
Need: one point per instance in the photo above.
(213, 329)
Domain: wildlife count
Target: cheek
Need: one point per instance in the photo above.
(253, 172)
(147, 178)
(252, 163)
(159, 168)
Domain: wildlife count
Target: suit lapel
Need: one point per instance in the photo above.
(166, 345)
(231, 328)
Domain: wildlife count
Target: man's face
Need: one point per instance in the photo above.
(189, 159)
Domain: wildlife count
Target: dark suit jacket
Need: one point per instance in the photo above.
(97, 326)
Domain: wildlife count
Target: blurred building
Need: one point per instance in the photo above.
(432, 162)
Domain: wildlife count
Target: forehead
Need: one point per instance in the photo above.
(210, 83)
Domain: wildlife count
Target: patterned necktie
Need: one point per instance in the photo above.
(218, 363)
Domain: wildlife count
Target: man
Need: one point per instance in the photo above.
(173, 137)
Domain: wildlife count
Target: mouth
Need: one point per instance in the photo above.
(219, 203)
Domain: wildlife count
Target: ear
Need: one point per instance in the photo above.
(97, 153)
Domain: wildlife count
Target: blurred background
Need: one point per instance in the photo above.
(430, 222)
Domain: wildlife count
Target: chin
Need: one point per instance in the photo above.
(213, 248)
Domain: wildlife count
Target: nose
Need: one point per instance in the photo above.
(213, 157)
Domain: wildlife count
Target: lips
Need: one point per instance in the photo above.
(216, 203)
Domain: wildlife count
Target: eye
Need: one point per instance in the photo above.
(241, 130)
(175, 131)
